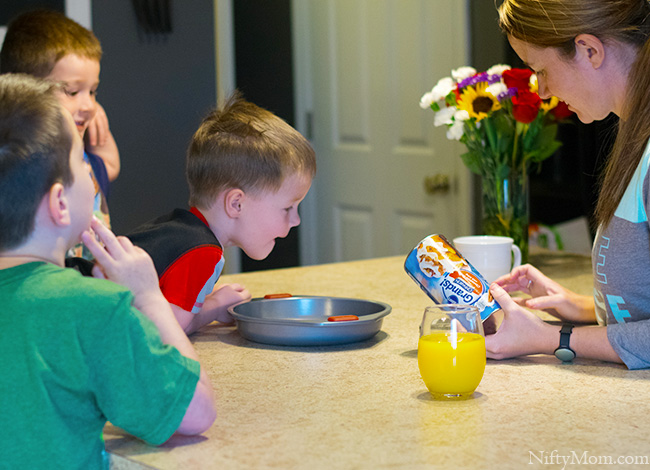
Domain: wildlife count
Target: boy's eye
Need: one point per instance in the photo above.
(70, 92)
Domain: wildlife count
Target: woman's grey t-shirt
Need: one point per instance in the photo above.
(621, 268)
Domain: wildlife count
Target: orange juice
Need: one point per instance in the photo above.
(451, 368)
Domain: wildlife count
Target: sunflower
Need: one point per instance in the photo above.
(549, 104)
(477, 102)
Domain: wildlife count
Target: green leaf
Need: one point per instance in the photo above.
(503, 171)
(548, 134)
(545, 152)
(472, 160)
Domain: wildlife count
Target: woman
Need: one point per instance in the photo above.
(595, 56)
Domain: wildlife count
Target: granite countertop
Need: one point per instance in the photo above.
(364, 405)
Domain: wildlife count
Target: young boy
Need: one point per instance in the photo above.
(247, 171)
(47, 44)
(77, 351)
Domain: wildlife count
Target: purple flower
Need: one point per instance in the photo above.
(478, 78)
(507, 94)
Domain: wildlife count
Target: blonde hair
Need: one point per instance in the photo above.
(556, 23)
(241, 145)
(37, 40)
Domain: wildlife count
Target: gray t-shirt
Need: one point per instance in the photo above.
(621, 267)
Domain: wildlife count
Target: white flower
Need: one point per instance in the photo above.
(444, 116)
(442, 88)
(498, 69)
(427, 100)
(496, 88)
(461, 73)
(462, 115)
(455, 131)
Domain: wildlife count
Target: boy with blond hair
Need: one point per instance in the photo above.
(76, 352)
(247, 171)
(48, 45)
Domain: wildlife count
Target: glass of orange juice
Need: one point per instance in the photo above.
(451, 351)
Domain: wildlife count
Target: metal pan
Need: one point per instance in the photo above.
(307, 320)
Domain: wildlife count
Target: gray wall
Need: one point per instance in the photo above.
(155, 89)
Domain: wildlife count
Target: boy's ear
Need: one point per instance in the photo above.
(57, 204)
(233, 201)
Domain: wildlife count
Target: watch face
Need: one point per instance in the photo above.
(565, 355)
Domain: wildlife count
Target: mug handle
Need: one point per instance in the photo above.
(517, 255)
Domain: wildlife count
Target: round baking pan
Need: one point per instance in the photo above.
(308, 320)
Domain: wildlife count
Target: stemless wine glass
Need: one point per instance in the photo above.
(451, 351)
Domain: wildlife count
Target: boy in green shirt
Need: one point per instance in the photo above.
(77, 352)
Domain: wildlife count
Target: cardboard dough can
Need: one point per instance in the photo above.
(447, 277)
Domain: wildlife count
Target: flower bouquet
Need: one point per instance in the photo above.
(507, 128)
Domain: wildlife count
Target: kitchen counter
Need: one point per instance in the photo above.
(364, 405)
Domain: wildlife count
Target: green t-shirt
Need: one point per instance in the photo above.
(74, 353)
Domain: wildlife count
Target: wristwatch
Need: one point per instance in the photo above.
(564, 352)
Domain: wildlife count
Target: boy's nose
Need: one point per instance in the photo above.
(295, 220)
(87, 103)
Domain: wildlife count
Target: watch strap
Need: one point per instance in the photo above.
(564, 351)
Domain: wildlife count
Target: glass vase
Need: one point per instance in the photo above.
(505, 207)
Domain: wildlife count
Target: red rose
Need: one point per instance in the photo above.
(525, 106)
(517, 78)
(561, 111)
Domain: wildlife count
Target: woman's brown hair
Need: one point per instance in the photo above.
(556, 23)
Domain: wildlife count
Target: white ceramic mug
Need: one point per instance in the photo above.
(491, 255)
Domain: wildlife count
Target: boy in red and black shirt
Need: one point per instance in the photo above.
(247, 171)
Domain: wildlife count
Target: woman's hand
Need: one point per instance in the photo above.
(548, 295)
(521, 332)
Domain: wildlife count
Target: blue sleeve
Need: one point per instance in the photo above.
(101, 175)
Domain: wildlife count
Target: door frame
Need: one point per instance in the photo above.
(303, 111)
(224, 39)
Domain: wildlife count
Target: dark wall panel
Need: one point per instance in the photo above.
(155, 88)
(264, 73)
(11, 8)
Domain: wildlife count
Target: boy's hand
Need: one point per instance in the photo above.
(222, 297)
(98, 130)
(122, 262)
(98, 140)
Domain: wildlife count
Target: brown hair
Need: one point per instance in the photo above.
(241, 145)
(556, 23)
(37, 40)
(35, 145)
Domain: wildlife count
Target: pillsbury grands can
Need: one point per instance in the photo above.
(447, 277)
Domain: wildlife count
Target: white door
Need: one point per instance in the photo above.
(361, 68)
